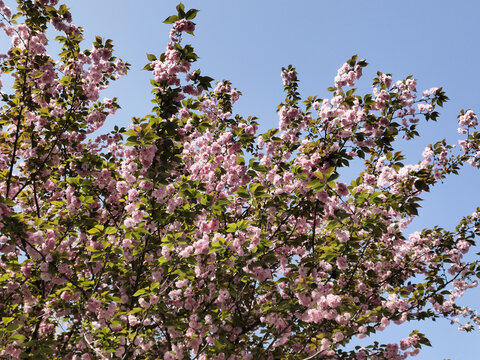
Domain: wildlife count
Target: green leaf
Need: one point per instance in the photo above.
(191, 14)
(232, 227)
(255, 186)
(154, 285)
(93, 231)
(110, 230)
(17, 337)
(318, 174)
(315, 184)
(87, 284)
(97, 256)
(171, 19)
(223, 201)
(181, 10)
(411, 209)
(240, 160)
(74, 180)
(151, 57)
(13, 327)
(421, 185)
(243, 193)
(329, 172)
(139, 292)
(255, 165)
(217, 245)
(6, 320)
(136, 310)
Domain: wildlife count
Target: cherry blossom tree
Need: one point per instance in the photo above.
(189, 235)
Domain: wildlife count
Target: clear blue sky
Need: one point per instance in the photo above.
(248, 42)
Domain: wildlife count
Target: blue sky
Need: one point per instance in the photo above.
(247, 42)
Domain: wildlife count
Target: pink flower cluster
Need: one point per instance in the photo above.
(192, 235)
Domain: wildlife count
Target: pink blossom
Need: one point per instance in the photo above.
(143, 303)
(342, 236)
(463, 246)
(132, 320)
(129, 222)
(146, 185)
(342, 263)
(93, 304)
(186, 252)
(338, 336)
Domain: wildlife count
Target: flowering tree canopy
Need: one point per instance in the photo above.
(192, 236)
